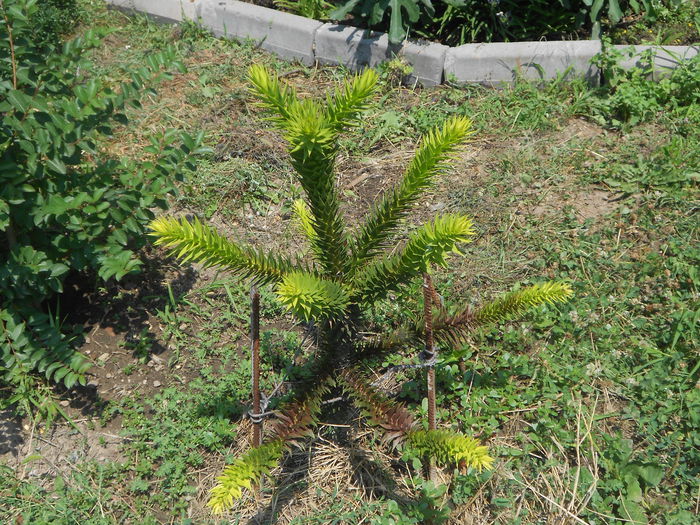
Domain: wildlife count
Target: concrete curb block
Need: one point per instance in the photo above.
(503, 62)
(666, 58)
(162, 10)
(287, 35)
(311, 41)
(357, 48)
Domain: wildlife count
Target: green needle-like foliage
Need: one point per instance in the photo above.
(302, 213)
(348, 273)
(291, 424)
(194, 241)
(313, 151)
(351, 99)
(430, 244)
(312, 132)
(245, 471)
(432, 157)
(516, 303)
(455, 327)
(310, 297)
(449, 448)
(275, 96)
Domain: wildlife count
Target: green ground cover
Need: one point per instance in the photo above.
(592, 409)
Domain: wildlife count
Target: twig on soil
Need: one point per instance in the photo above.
(47, 441)
(31, 439)
(291, 73)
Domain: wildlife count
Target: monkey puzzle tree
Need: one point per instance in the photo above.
(349, 272)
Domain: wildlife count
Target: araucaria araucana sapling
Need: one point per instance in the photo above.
(350, 271)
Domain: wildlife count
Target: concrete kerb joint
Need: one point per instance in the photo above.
(310, 41)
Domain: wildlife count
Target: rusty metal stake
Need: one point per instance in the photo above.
(429, 355)
(255, 352)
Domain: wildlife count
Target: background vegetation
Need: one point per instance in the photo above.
(457, 22)
(64, 207)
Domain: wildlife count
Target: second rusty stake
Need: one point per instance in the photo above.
(429, 356)
(255, 355)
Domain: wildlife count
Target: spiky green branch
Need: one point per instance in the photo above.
(195, 241)
(430, 244)
(305, 219)
(380, 411)
(276, 97)
(312, 133)
(516, 303)
(432, 156)
(449, 448)
(313, 150)
(312, 136)
(311, 297)
(293, 422)
(243, 472)
(351, 99)
(452, 328)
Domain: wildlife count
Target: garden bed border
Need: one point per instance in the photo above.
(310, 41)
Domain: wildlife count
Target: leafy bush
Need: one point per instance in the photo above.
(55, 19)
(457, 22)
(349, 274)
(633, 98)
(65, 206)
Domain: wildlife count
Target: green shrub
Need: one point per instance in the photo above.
(631, 96)
(54, 19)
(457, 22)
(64, 206)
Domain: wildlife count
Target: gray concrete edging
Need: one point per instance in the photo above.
(161, 10)
(310, 41)
(664, 59)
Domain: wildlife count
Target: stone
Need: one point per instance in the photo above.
(503, 62)
(358, 48)
(666, 58)
(427, 60)
(161, 10)
(284, 34)
(156, 383)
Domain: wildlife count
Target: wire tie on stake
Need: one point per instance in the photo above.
(258, 418)
(429, 357)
